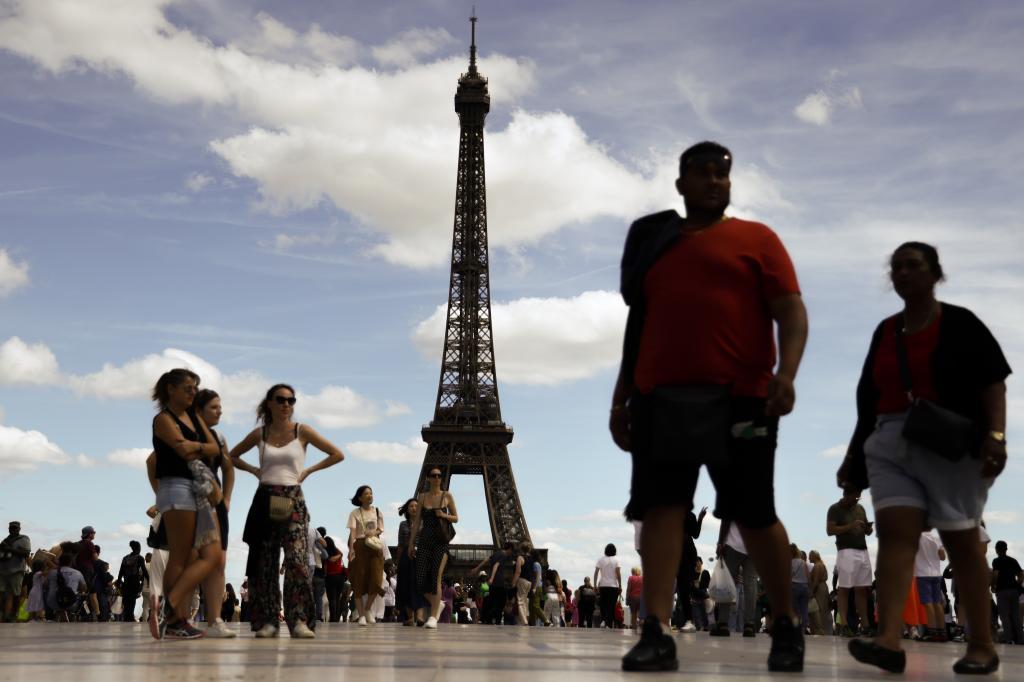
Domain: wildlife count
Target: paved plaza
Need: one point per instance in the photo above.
(89, 652)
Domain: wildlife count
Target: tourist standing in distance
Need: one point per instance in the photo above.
(334, 577)
(821, 621)
(180, 440)
(432, 532)
(942, 354)
(208, 407)
(409, 603)
(800, 574)
(586, 602)
(928, 579)
(848, 522)
(317, 547)
(503, 568)
(608, 578)
(733, 552)
(282, 446)
(698, 385)
(1007, 579)
(130, 578)
(15, 550)
(634, 596)
(365, 553)
(522, 583)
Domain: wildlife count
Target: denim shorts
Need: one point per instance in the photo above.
(929, 590)
(175, 494)
(904, 474)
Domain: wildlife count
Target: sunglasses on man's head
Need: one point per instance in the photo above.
(281, 400)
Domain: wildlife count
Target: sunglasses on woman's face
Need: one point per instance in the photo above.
(432, 475)
(281, 400)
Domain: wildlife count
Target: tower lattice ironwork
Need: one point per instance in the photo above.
(467, 434)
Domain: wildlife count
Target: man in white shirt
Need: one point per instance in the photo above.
(928, 575)
(314, 544)
(733, 552)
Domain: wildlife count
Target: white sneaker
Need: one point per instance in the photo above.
(266, 632)
(362, 620)
(689, 627)
(302, 631)
(431, 623)
(220, 629)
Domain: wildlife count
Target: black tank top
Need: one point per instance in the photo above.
(169, 463)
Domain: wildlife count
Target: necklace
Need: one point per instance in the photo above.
(931, 316)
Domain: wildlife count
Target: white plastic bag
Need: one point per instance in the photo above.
(722, 588)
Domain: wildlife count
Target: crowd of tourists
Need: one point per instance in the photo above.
(714, 337)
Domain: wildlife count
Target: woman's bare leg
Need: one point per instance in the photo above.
(180, 595)
(213, 587)
(899, 531)
(967, 555)
(181, 532)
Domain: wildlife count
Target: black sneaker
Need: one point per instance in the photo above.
(182, 630)
(749, 630)
(655, 652)
(787, 653)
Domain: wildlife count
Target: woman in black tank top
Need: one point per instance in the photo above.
(208, 406)
(179, 437)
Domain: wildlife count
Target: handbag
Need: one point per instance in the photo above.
(942, 431)
(373, 543)
(281, 508)
(446, 526)
(691, 422)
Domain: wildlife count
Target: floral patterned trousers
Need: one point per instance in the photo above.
(265, 592)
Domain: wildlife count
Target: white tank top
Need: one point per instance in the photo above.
(282, 465)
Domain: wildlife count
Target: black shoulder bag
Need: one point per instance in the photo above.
(946, 433)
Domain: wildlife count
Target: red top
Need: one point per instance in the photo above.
(707, 318)
(635, 586)
(333, 567)
(886, 372)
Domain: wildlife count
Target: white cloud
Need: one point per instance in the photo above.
(546, 341)
(13, 274)
(346, 134)
(834, 452)
(1007, 518)
(285, 242)
(22, 363)
(819, 106)
(339, 407)
(197, 182)
(132, 457)
(409, 452)
(411, 45)
(85, 462)
(133, 530)
(25, 450)
(332, 407)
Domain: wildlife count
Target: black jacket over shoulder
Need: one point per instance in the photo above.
(966, 361)
(648, 238)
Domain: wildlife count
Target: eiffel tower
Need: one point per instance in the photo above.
(467, 435)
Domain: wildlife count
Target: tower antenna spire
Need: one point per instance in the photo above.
(472, 43)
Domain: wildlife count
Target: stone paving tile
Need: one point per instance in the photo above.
(89, 652)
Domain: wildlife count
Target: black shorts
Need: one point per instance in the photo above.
(743, 479)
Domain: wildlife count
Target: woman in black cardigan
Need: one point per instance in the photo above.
(941, 356)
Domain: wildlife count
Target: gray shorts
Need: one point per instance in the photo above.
(904, 474)
(175, 494)
(11, 583)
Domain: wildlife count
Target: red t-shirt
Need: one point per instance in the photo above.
(333, 567)
(635, 586)
(886, 372)
(707, 318)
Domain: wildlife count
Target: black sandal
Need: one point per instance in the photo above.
(965, 667)
(866, 651)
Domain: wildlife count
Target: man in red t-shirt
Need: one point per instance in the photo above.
(700, 384)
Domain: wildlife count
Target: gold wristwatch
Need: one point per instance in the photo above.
(998, 436)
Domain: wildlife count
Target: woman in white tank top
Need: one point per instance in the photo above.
(282, 450)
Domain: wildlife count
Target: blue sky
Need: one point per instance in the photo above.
(264, 191)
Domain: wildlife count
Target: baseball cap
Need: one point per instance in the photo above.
(88, 530)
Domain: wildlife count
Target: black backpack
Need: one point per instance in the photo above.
(133, 574)
(65, 595)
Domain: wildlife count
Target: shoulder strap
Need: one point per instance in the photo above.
(904, 364)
